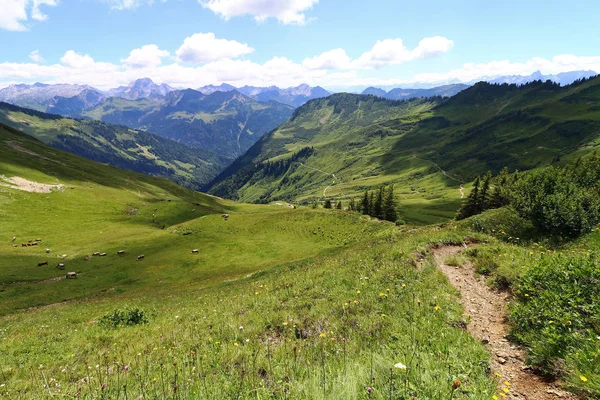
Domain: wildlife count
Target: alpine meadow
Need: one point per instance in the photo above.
(239, 199)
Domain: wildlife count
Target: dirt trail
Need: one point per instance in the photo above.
(486, 309)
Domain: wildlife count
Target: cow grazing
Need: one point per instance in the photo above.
(47, 251)
(23, 244)
(38, 240)
(32, 244)
(96, 253)
(102, 254)
(14, 238)
(41, 264)
(71, 275)
(60, 266)
(225, 216)
(121, 252)
(139, 258)
(64, 256)
(195, 251)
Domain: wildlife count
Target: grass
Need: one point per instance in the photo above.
(331, 327)
(278, 302)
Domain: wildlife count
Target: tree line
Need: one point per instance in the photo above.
(558, 200)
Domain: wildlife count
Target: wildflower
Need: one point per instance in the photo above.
(323, 334)
(344, 340)
(383, 294)
(345, 304)
(355, 301)
(126, 368)
(399, 366)
(369, 389)
(285, 323)
(505, 390)
(241, 327)
(104, 386)
(494, 397)
(436, 308)
(177, 317)
(155, 379)
(256, 293)
(236, 344)
(358, 292)
(247, 340)
(583, 378)
(507, 383)
(497, 374)
(456, 384)
(404, 286)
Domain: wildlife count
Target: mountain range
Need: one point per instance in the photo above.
(404, 94)
(340, 145)
(118, 146)
(226, 123)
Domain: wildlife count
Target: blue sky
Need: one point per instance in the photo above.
(333, 43)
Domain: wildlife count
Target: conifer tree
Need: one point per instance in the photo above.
(338, 205)
(371, 204)
(483, 203)
(389, 205)
(352, 204)
(327, 204)
(378, 205)
(364, 205)
(470, 205)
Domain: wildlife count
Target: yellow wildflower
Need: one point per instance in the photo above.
(583, 378)
(436, 308)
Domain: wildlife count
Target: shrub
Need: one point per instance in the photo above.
(121, 318)
(556, 313)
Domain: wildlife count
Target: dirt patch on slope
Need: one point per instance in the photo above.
(487, 309)
(28, 186)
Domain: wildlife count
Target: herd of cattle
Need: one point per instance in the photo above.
(71, 275)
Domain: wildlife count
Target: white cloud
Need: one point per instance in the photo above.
(333, 59)
(285, 11)
(146, 56)
(474, 71)
(15, 13)
(124, 4)
(393, 51)
(36, 13)
(218, 64)
(205, 47)
(74, 60)
(36, 57)
(432, 47)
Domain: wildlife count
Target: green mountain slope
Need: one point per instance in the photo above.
(428, 148)
(78, 207)
(118, 146)
(227, 123)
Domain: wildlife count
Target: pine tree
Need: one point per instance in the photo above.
(352, 204)
(364, 205)
(483, 203)
(389, 205)
(372, 204)
(378, 205)
(327, 204)
(338, 205)
(470, 205)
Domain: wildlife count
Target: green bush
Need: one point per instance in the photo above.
(556, 314)
(120, 318)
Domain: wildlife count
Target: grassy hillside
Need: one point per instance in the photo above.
(428, 148)
(278, 302)
(118, 146)
(227, 123)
